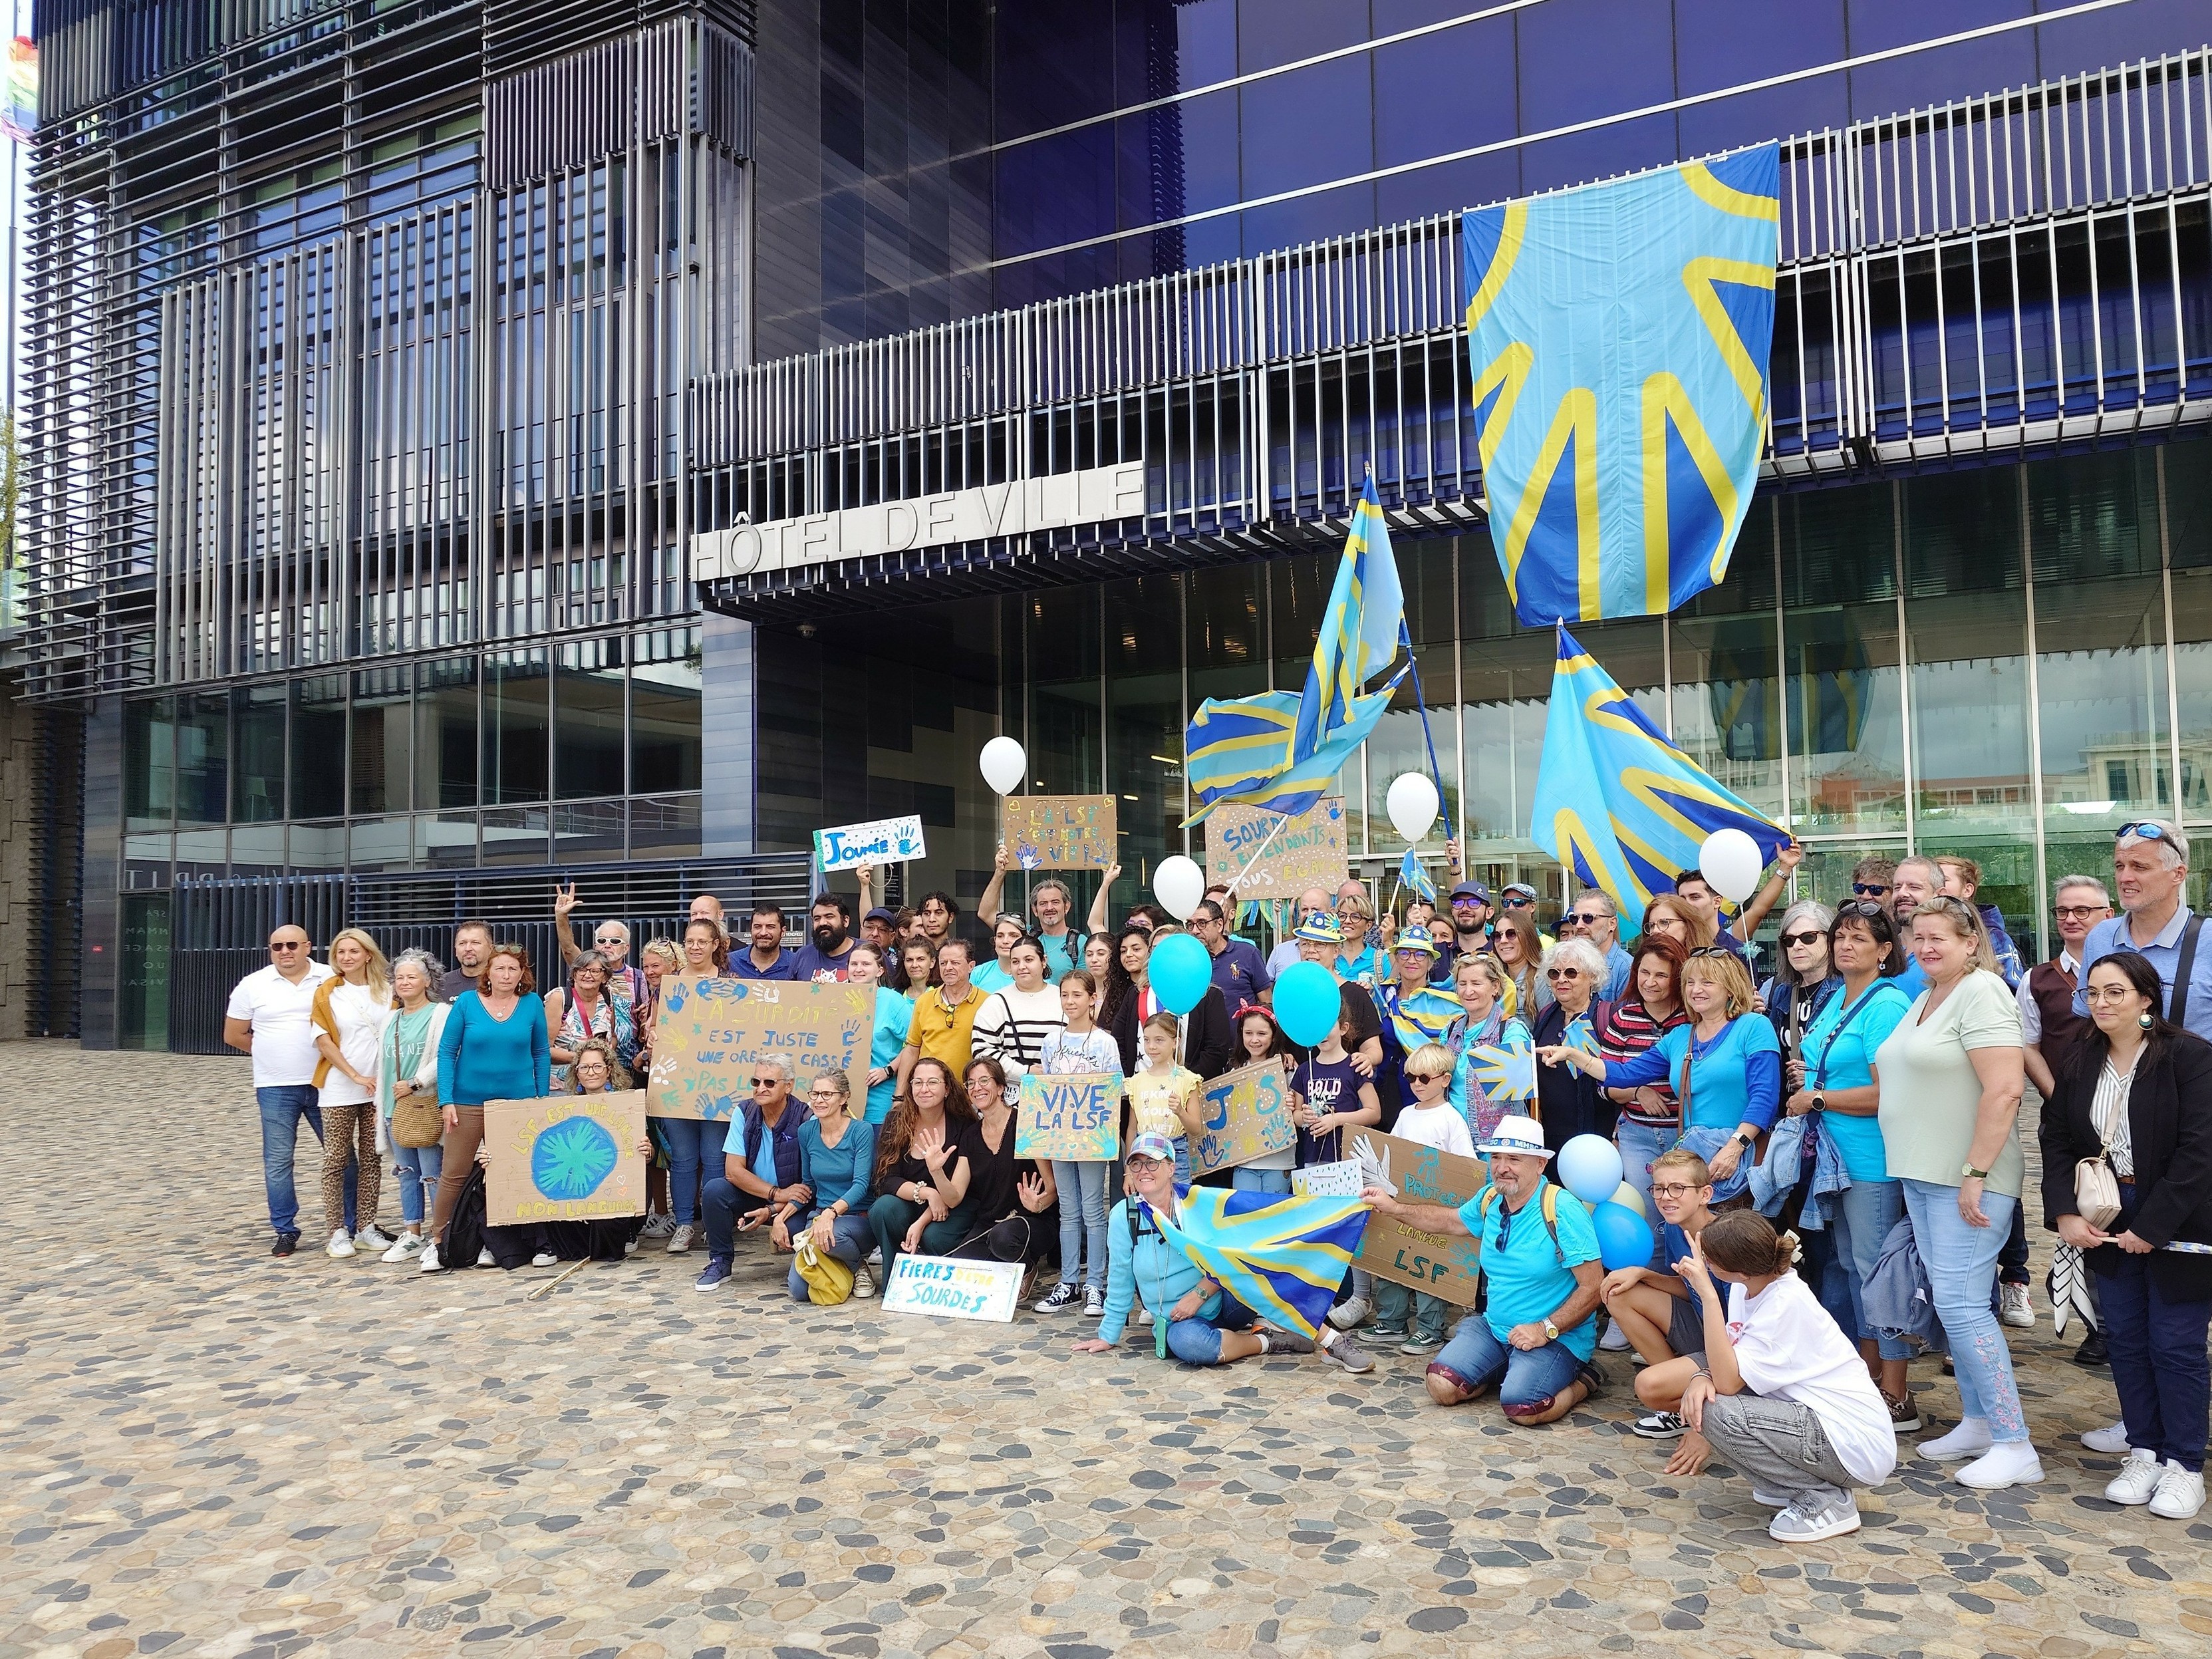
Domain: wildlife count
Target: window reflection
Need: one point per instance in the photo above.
(1839, 637)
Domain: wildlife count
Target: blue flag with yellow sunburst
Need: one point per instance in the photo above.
(1619, 335)
(1617, 804)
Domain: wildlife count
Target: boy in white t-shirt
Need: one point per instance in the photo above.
(1784, 1397)
(1430, 1121)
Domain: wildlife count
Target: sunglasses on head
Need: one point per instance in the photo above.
(1864, 888)
(2143, 831)
(1710, 951)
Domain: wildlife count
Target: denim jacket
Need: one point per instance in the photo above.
(1796, 1141)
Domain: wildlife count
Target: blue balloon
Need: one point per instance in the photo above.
(1590, 1168)
(1180, 968)
(1624, 1237)
(1307, 1003)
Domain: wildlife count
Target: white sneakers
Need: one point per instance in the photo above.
(2014, 1307)
(372, 1237)
(544, 1259)
(2180, 1493)
(2113, 1440)
(863, 1283)
(2137, 1480)
(428, 1262)
(2007, 1463)
(340, 1246)
(680, 1240)
(1615, 1339)
(1348, 1317)
(1822, 1512)
(404, 1247)
(1970, 1439)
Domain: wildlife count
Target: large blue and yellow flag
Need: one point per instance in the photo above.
(1281, 752)
(1617, 804)
(1619, 335)
(1281, 1255)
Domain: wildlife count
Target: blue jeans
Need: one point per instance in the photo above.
(694, 1150)
(1528, 1380)
(1392, 1300)
(1859, 1220)
(1244, 1180)
(2158, 1364)
(849, 1241)
(1639, 1144)
(1083, 1212)
(1962, 1270)
(1198, 1341)
(282, 1106)
(417, 1165)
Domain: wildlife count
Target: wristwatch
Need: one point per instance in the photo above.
(1820, 1101)
(1744, 1140)
(1551, 1331)
(1971, 1173)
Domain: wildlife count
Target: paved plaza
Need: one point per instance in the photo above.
(206, 1450)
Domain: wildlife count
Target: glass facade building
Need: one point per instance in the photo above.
(388, 365)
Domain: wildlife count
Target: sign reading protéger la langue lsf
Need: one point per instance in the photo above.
(1016, 508)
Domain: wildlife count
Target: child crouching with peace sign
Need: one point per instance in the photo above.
(1779, 1391)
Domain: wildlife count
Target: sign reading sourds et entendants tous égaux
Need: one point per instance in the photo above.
(1013, 508)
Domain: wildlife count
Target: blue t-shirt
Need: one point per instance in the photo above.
(763, 1164)
(1529, 1278)
(1839, 1050)
(1914, 980)
(1736, 1078)
(1675, 1246)
(1062, 952)
(1360, 970)
(989, 976)
(894, 1018)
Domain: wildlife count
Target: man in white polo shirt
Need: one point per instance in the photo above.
(268, 1017)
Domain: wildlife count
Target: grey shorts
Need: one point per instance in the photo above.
(1685, 1329)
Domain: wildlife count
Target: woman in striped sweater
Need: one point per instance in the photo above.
(1014, 1021)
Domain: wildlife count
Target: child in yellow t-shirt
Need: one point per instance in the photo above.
(1163, 1095)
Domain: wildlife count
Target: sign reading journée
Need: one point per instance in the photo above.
(1015, 508)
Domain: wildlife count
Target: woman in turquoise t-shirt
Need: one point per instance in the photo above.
(1725, 1066)
(1838, 1082)
(894, 1016)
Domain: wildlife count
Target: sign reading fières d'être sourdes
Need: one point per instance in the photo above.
(1012, 509)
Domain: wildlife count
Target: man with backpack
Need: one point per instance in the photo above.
(1538, 1255)
(1050, 902)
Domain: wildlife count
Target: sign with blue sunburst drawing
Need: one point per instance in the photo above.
(567, 1157)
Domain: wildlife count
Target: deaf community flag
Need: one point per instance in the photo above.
(1619, 335)
(1618, 805)
(1281, 752)
(1282, 1256)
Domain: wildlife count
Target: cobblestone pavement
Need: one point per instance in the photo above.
(208, 1451)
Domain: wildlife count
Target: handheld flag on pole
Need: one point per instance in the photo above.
(1617, 804)
(1281, 752)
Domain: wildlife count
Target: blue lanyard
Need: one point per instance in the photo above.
(1843, 1019)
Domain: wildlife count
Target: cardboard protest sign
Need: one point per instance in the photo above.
(1247, 1115)
(1441, 1265)
(1308, 851)
(566, 1158)
(948, 1288)
(1339, 1180)
(1075, 1118)
(879, 840)
(1061, 832)
(710, 1033)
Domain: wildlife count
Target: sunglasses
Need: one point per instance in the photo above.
(610, 938)
(2143, 831)
(1865, 888)
(1563, 972)
(768, 1082)
(1429, 1076)
(1866, 908)
(289, 945)
(1517, 902)
(1710, 951)
(1789, 939)
(1588, 918)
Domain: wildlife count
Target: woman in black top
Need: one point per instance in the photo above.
(1011, 1199)
(926, 1160)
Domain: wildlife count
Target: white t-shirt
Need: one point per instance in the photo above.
(1788, 1348)
(284, 1032)
(361, 1017)
(1443, 1127)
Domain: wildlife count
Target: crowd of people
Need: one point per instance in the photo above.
(1830, 1154)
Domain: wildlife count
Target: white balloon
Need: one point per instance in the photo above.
(1179, 884)
(1730, 861)
(1412, 805)
(1003, 763)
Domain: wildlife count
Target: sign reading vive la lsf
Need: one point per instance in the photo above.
(1015, 508)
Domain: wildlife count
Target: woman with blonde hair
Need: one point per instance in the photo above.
(1725, 1067)
(349, 1013)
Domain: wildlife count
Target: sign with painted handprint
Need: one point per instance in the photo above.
(710, 1033)
(879, 840)
(1247, 1115)
(566, 1158)
(1061, 832)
